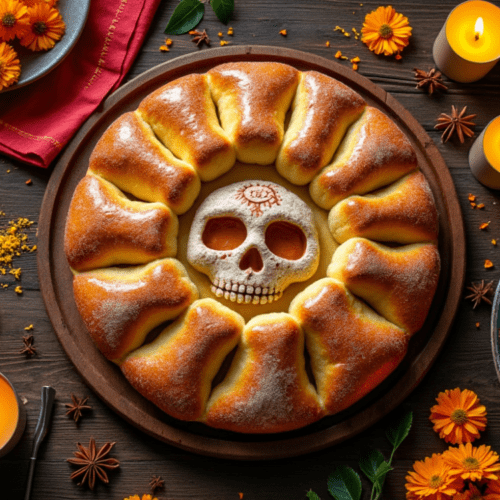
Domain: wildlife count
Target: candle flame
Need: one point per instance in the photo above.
(479, 28)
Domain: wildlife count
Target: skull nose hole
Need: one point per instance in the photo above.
(251, 259)
(286, 240)
(224, 233)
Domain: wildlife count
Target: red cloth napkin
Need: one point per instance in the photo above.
(37, 120)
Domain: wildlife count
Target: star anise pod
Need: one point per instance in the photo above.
(75, 408)
(430, 79)
(29, 349)
(457, 122)
(480, 291)
(200, 37)
(156, 483)
(93, 463)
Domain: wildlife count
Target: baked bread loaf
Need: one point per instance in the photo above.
(342, 333)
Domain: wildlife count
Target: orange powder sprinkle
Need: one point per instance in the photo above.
(488, 264)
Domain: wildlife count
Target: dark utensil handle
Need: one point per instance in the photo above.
(30, 478)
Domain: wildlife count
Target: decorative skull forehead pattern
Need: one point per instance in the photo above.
(253, 239)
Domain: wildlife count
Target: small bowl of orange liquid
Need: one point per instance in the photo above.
(12, 416)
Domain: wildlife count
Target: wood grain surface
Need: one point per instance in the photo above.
(465, 361)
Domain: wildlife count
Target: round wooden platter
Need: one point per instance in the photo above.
(106, 379)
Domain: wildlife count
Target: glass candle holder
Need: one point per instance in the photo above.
(468, 45)
(484, 155)
(12, 416)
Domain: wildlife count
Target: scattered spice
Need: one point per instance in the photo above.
(220, 34)
(472, 197)
(240, 495)
(200, 37)
(223, 42)
(230, 31)
(484, 225)
(18, 290)
(385, 31)
(338, 54)
(488, 264)
(457, 123)
(29, 182)
(398, 57)
(28, 328)
(429, 79)
(478, 325)
(480, 292)
(494, 242)
(283, 32)
(28, 349)
(93, 463)
(76, 407)
(164, 48)
(137, 497)
(480, 206)
(16, 273)
(156, 483)
(327, 43)
(168, 42)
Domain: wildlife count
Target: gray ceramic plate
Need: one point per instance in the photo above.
(34, 65)
(495, 329)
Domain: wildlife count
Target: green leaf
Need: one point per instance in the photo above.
(312, 496)
(381, 472)
(370, 463)
(344, 484)
(398, 432)
(223, 9)
(185, 17)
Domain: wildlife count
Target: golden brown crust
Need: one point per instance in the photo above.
(399, 283)
(373, 153)
(352, 349)
(404, 212)
(104, 228)
(120, 306)
(266, 389)
(252, 99)
(182, 115)
(176, 370)
(129, 155)
(323, 109)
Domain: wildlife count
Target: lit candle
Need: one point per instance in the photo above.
(484, 155)
(468, 45)
(12, 417)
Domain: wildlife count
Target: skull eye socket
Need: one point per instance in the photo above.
(286, 240)
(224, 233)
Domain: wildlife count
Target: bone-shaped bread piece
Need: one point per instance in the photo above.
(266, 389)
(130, 156)
(176, 370)
(322, 111)
(182, 114)
(404, 212)
(252, 100)
(120, 306)
(373, 154)
(399, 283)
(105, 228)
(352, 349)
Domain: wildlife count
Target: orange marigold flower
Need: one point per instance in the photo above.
(14, 20)
(137, 497)
(46, 27)
(473, 493)
(10, 69)
(458, 416)
(492, 490)
(469, 462)
(431, 479)
(386, 31)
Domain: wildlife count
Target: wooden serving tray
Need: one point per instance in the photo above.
(106, 379)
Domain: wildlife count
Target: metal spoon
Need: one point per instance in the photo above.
(42, 427)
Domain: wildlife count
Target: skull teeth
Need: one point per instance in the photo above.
(243, 294)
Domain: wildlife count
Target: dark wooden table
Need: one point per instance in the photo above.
(465, 362)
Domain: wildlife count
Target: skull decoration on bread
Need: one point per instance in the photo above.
(253, 239)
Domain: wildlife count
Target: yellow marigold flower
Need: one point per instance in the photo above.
(46, 27)
(458, 417)
(137, 497)
(10, 69)
(14, 20)
(386, 31)
(469, 462)
(430, 479)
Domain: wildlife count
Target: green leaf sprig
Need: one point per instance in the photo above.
(189, 13)
(345, 484)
